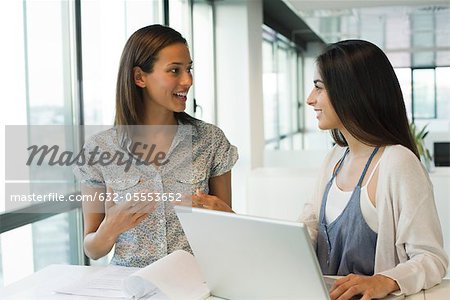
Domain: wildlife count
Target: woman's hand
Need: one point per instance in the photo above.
(212, 202)
(370, 287)
(220, 198)
(105, 220)
(120, 217)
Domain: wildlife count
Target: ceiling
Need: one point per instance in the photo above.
(413, 33)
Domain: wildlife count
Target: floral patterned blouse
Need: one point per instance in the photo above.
(197, 153)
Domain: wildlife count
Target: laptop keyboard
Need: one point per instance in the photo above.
(329, 282)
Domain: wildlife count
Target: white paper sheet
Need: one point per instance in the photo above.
(107, 283)
(175, 277)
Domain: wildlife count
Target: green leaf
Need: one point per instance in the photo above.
(428, 155)
(421, 132)
(419, 137)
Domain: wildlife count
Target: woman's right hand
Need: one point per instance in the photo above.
(122, 216)
(104, 221)
(370, 287)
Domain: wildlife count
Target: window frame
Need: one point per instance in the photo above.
(279, 41)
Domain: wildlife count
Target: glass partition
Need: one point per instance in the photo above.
(106, 26)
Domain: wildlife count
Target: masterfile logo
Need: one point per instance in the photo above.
(103, 158)
(40, 161)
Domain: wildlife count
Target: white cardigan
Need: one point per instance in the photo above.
(410, 245)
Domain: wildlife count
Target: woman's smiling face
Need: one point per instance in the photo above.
(319, 100)
(166, 87)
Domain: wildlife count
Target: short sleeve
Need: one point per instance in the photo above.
(225, 155)
(88, 174)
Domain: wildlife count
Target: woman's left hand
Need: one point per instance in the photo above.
(370, 287)
(202, 200)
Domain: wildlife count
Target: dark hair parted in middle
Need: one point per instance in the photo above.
(365, 93)
(141, 50)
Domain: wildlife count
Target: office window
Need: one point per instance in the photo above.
(270, 94)
(298, 107)
(47, 53)
(202, 52)
(32, 247)
(404, 78)
(14, 112)
(282, 85)
(422, 24)
(443, 93)
(283, 78)
(180, 17)
(39, 76)
(424, 94)
(106, 26)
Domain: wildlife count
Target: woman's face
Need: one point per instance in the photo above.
(318, 99)
(166, 87)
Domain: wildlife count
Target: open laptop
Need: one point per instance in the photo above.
(245, 257)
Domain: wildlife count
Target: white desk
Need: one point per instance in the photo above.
(41, 284)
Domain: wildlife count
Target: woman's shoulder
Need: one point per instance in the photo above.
(399, 155)
(203, 128)
(398, 160)
(104, 138)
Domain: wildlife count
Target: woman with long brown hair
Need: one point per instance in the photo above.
(155, 156)
(373, 218)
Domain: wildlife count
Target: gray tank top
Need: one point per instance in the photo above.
(346, 245)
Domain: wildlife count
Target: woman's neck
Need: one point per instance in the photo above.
(356, 147)
(155, 116)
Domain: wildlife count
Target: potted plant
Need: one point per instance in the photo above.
(419, 139)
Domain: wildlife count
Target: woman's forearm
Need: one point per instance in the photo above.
(97, 244)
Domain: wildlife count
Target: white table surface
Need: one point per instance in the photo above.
(41, 285)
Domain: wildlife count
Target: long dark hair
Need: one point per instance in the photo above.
(365, 93)
(141, 50)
